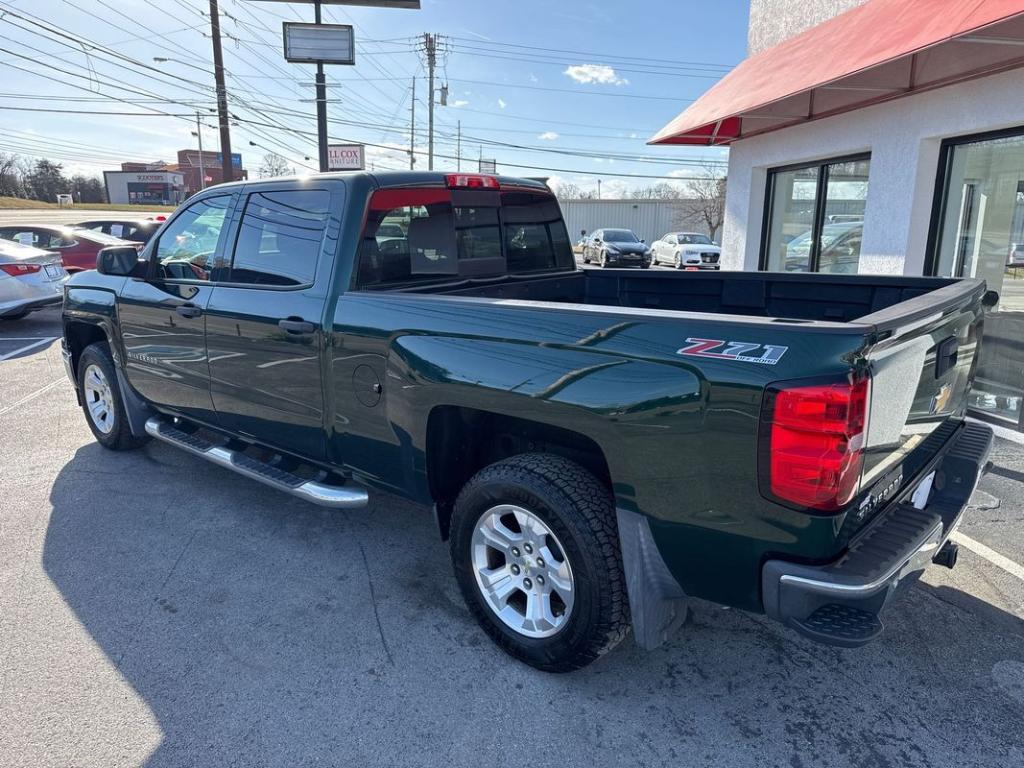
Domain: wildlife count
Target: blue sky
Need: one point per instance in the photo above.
(577, 87)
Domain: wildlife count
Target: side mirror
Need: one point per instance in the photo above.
(119, 261)
(643, 241)
(583, 233)
(990, 299)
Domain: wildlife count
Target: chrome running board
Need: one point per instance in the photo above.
(324, 494)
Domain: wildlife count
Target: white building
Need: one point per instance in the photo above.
(649, 220)
(150, 187)
(882, 137)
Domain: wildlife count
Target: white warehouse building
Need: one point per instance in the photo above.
(649, 220)
(881, 137)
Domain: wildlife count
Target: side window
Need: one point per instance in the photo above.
(187, 248)
(280, 237)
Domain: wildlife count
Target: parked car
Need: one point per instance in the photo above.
(616, 248)
(686, 250)
(30, 279)
(77, 247)
(136, 230)
(840, 249)
(597, 447)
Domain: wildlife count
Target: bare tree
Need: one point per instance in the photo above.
(660, 191)
(705, 201)
(568, 190)
(274, 165)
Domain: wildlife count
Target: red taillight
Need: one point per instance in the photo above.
(471, 181)
(815, 442)
(17, 270)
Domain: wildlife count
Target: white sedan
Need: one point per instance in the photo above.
(30, 279)
(686, 250)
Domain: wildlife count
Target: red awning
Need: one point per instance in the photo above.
(881, 50)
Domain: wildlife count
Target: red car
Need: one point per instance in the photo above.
(77, 247)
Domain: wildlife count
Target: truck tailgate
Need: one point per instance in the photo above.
(922, 364)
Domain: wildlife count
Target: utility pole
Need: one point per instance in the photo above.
(202, 168)
(458, 149)
(321, 102)
(430, 45)
(598, 189)
(227, 169)
(412, 130)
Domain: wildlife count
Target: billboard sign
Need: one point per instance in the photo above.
(312, 43)
(488, 166)
(236, 159)
(346, 157)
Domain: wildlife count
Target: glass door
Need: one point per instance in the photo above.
(978, 231)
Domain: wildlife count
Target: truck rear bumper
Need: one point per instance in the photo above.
(839, 603)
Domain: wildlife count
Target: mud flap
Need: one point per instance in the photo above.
(657, 603)
(136, 409)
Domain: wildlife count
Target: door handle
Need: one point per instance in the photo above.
(292, 325)
(188, 310)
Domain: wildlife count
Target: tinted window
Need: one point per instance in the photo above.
(280, 237)
(619, 236)
(186, 249)
(418, 235)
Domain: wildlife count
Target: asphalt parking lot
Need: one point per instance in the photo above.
(156, 610)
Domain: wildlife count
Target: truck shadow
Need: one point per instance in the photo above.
(260, 630)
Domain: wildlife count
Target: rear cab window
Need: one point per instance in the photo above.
(421, 235)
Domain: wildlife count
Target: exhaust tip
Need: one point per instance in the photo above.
(947, 556)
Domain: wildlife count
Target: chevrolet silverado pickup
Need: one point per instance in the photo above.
(599, 447)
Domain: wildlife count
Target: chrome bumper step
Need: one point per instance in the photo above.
(324, 494)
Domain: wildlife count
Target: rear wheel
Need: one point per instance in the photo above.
(536, 554)
(102, 400)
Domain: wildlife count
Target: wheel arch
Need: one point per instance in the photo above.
(461, 440)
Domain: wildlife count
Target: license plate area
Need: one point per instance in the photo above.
(53, 271)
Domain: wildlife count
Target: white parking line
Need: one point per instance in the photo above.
(27, 347)
(32, 396)
(1000, 561)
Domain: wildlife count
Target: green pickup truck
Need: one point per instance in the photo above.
(598, 446)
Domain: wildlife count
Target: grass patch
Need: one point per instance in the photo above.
(19, 203)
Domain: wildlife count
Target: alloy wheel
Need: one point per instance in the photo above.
(98, 398)
(522, 571)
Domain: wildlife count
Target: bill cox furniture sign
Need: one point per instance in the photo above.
(346, 157)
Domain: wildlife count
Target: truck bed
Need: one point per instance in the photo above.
(784, 296)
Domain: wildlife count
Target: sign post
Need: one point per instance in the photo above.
(321, 44)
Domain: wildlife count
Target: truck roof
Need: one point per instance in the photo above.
(393, 179)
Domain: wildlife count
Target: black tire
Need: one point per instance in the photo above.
(604, 260)
(119, 437)
(580, 511)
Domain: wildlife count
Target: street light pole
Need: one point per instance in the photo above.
(321, 103)
(227, 169)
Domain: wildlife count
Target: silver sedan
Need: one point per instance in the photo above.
(30, 279)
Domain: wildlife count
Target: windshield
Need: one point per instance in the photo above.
(691, 239)
(619, 236)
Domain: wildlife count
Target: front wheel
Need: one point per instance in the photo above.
(102, 401)
(678, 262)
(604, 260)
(535, 550)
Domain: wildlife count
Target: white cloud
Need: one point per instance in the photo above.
(459, 103)
(502, 104)
(633, 136)
(595, 73)
(548, 136)
(534, 78)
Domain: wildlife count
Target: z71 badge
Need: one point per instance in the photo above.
(744, 351)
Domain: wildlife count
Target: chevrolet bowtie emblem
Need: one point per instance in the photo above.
(941, 399)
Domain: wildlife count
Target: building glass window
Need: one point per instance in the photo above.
(979, 232)
(815, 217)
